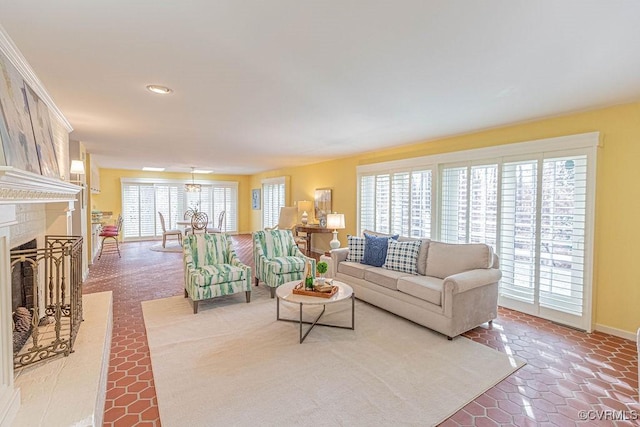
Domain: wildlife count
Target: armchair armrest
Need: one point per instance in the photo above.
(337, 256)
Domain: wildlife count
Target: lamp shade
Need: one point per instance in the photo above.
(335, 221)
(77, 167)
(304, 205)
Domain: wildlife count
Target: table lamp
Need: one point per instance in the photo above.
(335, 221)
(304, 206)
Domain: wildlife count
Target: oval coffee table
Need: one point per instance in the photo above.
(285, 293)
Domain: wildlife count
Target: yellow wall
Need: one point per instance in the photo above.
(110, 196)
(617, 234)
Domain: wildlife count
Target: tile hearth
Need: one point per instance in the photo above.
(567, 371)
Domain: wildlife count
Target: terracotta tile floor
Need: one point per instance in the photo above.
(567, 371)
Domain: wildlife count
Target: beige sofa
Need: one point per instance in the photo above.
(455, 288)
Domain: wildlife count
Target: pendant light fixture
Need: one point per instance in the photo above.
(192, 187)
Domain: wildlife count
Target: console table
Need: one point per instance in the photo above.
(309, 230)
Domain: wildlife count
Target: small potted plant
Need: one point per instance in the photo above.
(322, 268)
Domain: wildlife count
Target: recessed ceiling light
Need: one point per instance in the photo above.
(150, 169)
(162, 90)
(201, 171)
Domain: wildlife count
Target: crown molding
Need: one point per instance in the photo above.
(8, 47)
(18, 186)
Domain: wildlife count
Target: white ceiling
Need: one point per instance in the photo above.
(260, 85)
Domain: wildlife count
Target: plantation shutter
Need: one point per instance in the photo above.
(420, 203)
(130, 210)
(453, 217)
(147, 211)
(518, 230)
(368, 202)
(483, 205)
(382, 203)
(163, 205)
(562, 233)
(400, 203)
(225, 199)
(273, 194)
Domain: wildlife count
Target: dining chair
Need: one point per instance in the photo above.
(188, 214)
(199, 222)
(220, 227)
(172, 232)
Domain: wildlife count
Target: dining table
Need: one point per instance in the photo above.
(184, 224)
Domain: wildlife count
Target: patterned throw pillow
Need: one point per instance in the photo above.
(356, 248)
(403, 256)
(375, 249)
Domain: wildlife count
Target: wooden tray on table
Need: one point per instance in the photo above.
(300, 290)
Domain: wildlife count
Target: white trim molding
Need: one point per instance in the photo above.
(8, 47)
(563, 143)
(18, 186)
(616, 332)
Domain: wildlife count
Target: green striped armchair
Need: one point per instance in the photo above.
(277, 258)
(212, 268)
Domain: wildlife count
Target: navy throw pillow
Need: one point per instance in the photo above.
(375, 249)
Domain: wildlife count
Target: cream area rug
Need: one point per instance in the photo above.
(234, 364)
(172, 246)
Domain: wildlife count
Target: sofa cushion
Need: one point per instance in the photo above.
(383, 277)
(287, 264)
(356, 248)
(353, 269)
(446, 259)
(217, 273)
(421, 264)
(422, 255)
(375, 249)
(426, 288)
(403, 256)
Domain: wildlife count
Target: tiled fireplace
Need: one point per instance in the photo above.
(31, 206)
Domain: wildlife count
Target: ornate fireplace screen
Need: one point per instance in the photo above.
(49, 327)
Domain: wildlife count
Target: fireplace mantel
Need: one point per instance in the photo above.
(18, 186)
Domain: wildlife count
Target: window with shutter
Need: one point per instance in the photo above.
(397, 202)
(518, 230)
(562, 233)
(142, 200)
(273, 198)
(529, 201)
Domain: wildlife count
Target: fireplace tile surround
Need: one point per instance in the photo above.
(31, 206)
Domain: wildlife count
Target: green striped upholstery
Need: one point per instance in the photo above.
(212, 268)
(277, 257)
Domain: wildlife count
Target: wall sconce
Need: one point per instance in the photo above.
(77, 168)
(335, 221)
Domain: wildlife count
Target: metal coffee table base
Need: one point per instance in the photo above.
(315, 322)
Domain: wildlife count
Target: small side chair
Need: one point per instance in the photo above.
(212, 268)
(278, 259)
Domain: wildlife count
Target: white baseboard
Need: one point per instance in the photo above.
(616, 332)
